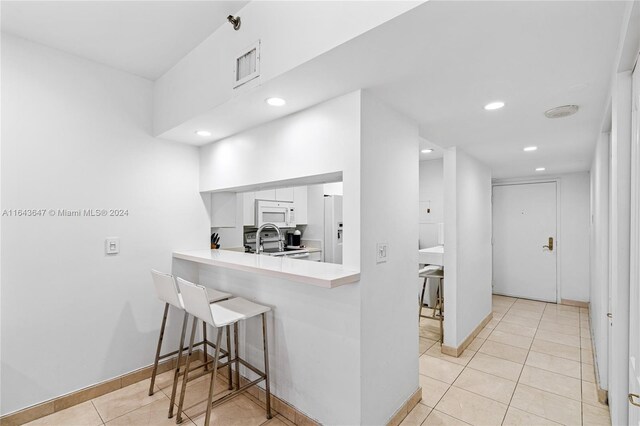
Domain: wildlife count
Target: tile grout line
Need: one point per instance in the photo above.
(130, 411)
(525, 362)
(94, 407)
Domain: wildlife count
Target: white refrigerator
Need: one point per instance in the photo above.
(333, 229)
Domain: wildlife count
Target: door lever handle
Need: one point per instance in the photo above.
(631, 397)
(550, 245)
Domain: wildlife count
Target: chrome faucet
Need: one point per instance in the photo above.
(268, 225)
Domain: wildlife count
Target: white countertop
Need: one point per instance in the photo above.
(326, 275)
(431, 256)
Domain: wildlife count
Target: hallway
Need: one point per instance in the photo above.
(531, 365)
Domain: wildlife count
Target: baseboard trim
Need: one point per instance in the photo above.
(457, 351)
(90, 392)
(406, 408)
(577, 303)
(603, 394)
(60, 403)
(259, 396)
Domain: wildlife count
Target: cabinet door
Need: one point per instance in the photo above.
(266, 194)
(315, 256)
(223, 210)
(284, 194)
(300, 204)
(249, 208)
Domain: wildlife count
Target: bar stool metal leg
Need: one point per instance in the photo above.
(205, 346)
(266, 364)
(176, 373)
(214, 375)
(229, 357)
(185, 378)
(424, 284)
(237, 358)
(155, 362)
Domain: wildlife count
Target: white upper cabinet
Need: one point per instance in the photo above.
(297, 195)
(223, 209)
(248, 208)
(266, 194)
(300, 204)
(284, 194)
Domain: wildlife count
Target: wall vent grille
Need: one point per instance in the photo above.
(247, 65)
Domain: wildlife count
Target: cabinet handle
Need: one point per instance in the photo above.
(634, 395)
(609, 315)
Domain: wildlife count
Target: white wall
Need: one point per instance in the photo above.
(330, 136)
(431, 186)
(467, 236)
(599, 260)
(342, 386)
(573, 238)
(203, 79)
(389, 201)
(75, 135)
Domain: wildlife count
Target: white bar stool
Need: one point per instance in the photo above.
(433, 272)
(167, 291)
(221, 315)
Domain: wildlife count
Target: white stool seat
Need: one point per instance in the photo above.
(431, 271)
(234, 310)
(222, 315)
(213, 296)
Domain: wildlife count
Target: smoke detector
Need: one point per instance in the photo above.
(561, 111)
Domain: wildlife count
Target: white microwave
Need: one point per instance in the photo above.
(279, 213)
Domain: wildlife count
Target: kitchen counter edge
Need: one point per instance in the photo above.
(327, 275)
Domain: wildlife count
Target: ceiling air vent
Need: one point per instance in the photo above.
(247, 65)
(561, 111)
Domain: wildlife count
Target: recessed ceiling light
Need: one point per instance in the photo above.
(275, 101)
(203, 133)
(494, 105)
(530, 148)
(426, 151)
(540, 169)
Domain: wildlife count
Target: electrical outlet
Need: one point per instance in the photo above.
(112, 245)
(381, 252)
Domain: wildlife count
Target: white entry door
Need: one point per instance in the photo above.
(524, 240)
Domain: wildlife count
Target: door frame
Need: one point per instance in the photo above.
(634, 246)
(532, 180)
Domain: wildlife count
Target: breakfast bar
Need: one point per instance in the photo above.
(320, 274)
(313, 323)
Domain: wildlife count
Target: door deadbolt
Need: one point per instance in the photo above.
(550, 245)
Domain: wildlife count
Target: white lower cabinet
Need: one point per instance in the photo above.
(315, 256)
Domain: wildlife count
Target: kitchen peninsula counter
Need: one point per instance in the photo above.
(327, 275)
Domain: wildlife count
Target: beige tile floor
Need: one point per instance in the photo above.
(133, 406)
(531, 365)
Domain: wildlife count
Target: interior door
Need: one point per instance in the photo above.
(524, 240)
(634, 282)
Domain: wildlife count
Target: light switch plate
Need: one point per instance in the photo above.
(112, 245)
(381, 252)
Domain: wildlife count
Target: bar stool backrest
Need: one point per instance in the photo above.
(195, 300)
(166, 288)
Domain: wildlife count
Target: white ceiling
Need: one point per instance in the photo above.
(531, 55)
(145, 38)
(441, 62)
(438, 64)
